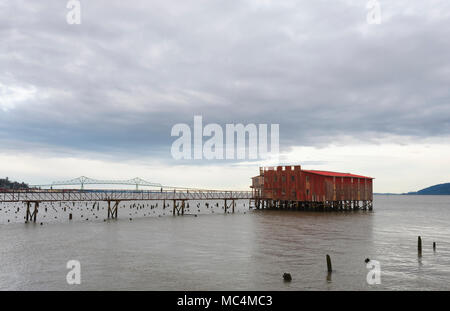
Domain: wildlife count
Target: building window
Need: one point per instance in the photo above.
(307, 178)
(293, 178)
(307, 191)
(275, 178)
(283, 178)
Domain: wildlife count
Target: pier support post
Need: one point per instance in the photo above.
(112, 211)
(32, 215)
(178, 209)
(27, 212)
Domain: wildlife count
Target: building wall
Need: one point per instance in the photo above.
(290, 183)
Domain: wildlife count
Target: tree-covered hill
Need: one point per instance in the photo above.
(7, 184)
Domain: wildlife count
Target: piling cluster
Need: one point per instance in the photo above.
(317, 206)
(31, 211)
(288, 278)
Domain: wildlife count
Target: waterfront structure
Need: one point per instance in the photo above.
(275, 187)
(292, 187)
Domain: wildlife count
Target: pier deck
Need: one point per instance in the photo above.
(120, 195)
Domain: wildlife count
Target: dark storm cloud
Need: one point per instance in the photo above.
(119, 81)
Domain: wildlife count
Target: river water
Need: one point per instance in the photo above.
(247, 250)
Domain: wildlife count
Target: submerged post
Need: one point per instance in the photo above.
(329, 268)
(419, 245)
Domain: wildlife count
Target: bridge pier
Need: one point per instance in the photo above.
(179, 209)
(112, 211)
(226, 206)
(32, 215)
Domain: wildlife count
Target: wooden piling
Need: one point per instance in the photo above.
(287, 277)
(419, 245)
(28, 211)
(329, 267)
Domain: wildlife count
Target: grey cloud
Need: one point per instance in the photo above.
(118, 82)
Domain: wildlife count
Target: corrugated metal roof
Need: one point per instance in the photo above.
(336, 174)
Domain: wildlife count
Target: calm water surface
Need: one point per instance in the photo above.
(248, 250)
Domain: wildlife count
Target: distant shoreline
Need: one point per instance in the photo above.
(440, 189)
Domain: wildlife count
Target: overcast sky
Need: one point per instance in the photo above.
(100, 98)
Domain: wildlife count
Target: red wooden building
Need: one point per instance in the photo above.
(294, 187)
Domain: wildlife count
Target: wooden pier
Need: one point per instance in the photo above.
(281, 188)
(32, 199)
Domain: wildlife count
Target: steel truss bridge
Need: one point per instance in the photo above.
(83, 180)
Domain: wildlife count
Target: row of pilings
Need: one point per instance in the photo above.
(174, 207)
(179, 207)
(323, 206)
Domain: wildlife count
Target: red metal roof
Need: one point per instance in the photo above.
(335, 174)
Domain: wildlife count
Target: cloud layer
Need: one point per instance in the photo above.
(117, 83)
